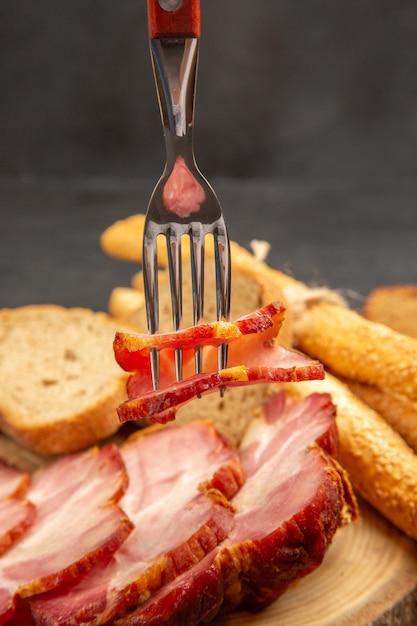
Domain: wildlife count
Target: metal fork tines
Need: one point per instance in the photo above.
(183, 203)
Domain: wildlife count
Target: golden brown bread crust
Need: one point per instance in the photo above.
(355, 348)
(72, 433)
(395, 306)
(396, 409)
(349, 345)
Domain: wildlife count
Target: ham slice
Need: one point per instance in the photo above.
(77, 524)
(16, 516)
(13, 482)
(178, 477)
(132, 349)
(294, 499)
(254, 357)
(16, 513)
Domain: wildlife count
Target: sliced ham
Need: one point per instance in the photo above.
(254, 357)
(132, 349)
(178, 477)
(16, 516)
(77, 524)
(294, 498)
(16, 513)
(13, 482)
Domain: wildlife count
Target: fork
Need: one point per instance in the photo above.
(183, 203)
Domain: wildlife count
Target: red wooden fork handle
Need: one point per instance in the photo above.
(184, 22)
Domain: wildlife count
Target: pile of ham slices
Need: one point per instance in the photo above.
(176, 526)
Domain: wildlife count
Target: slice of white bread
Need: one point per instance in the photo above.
(250, 290)
(59, 382)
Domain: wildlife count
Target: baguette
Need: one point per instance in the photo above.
(380, 465)
(394, 306)
(395, 408)
(59, 382)
(349, 345)
(355, 348)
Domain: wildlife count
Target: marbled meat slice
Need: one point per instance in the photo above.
(16, 513)
(14, 483)
(132, 349)
(78, 522)
(16, 516)
(254, 357)
(178, 477)
(294, 499)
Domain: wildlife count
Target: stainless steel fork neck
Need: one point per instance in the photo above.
(174, 64)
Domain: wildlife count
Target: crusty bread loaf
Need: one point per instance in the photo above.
(59, 382)
(394, 306)
(398, 410)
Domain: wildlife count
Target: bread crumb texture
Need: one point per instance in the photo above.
(59, 382)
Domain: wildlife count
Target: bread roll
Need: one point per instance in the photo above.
(394, 306)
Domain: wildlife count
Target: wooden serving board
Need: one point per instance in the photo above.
(369, 575)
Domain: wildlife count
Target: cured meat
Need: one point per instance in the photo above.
(16, 513)
(254, 357)
(177, 476)
(77, 524)
(294, 499)
(16, 516)
(132, 350)
(13, 482)
(282, 533)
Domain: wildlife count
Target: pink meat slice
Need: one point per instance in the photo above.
(16, 516)
(132, 349)
(254, 357)
(13, 482)
(16, 513)
(178, 479)
(288, 510)
(78, 522)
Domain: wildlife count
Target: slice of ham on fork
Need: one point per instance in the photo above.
(16, 513)
(180, 478)
(294, 499)
(254, 357)
(77, 523)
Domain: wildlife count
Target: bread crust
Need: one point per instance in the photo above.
(396, 409)
(358, 349)
(395, 306)
(58, 390)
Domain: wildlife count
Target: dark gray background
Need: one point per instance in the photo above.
(306, 124)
